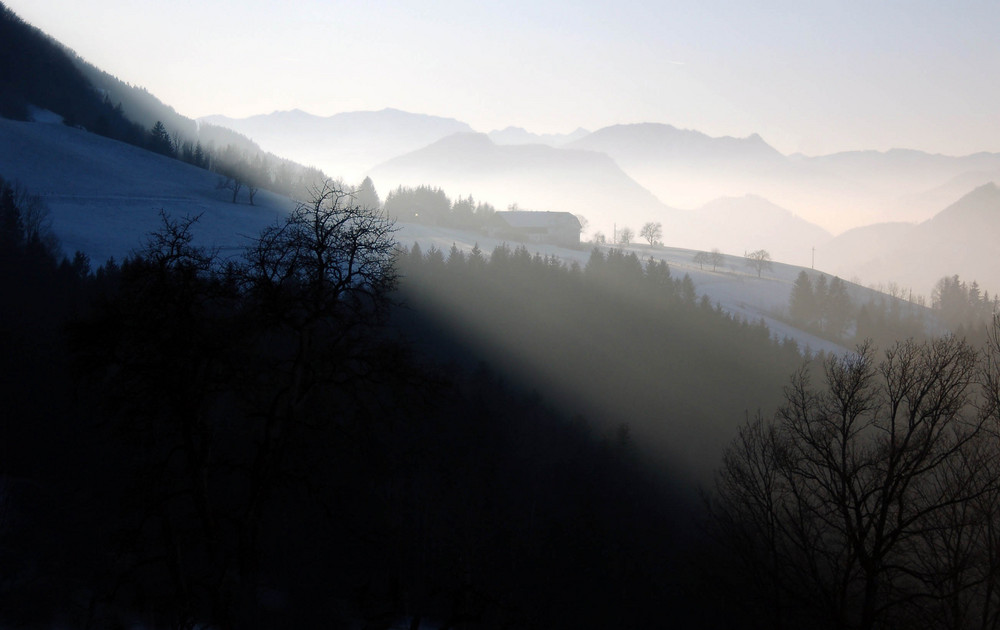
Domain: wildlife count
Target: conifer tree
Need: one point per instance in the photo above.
(159, 140)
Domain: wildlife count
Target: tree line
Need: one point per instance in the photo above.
(824, 306)
(619, 339)
(431, 206)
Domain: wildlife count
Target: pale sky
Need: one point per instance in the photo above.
(815, 77)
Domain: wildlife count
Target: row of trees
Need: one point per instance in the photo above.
(759, 260)
(714, 258)
(823, 306)
(618, 338)
(964, 306)
(651, 231)
(872, 498)
(432, 206)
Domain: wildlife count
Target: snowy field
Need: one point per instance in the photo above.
(105, 196)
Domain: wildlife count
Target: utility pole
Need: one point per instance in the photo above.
(813, 266)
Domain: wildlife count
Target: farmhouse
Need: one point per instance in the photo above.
(558, 228)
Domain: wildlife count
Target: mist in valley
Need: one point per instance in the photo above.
(611, 329)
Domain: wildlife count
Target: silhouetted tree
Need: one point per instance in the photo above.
(716, 258)
(652, 232)
(159, 140)
(422, 205)
(257, 174)
(366, 196)
(802, 301)
(759, 260)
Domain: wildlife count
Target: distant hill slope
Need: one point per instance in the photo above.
(105, 196)
(962, 239)
(687, 169)
(739, 224)
(37, 71)
(39, 77)
(536, 177)
(344, 145)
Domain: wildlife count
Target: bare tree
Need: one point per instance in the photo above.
(339, 256)
(652, 232)
(700, 258)
(716, 258)
(759, 260)
(855, 507)
(232, 181)
(257, 173)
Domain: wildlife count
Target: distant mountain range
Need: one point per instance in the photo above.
(737, 194)
(345, 145)
(683, 168)
(740, 224)
(741, 193)
(534, 176)
(658, 143)
(517, 135)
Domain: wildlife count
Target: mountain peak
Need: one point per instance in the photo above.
(663, 142)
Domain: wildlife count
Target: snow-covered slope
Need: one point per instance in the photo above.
(105, 196)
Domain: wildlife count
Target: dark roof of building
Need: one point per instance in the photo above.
(527, 219)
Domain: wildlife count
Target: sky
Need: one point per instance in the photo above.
(808, 76)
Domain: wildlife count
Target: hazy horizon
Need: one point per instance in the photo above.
(810, 80)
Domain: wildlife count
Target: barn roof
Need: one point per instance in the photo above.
(526, 219)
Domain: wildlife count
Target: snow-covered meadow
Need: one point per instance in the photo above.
(105, 196)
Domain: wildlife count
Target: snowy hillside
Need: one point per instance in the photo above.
(105, 196)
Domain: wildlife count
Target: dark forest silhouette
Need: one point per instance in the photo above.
(249, 444)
